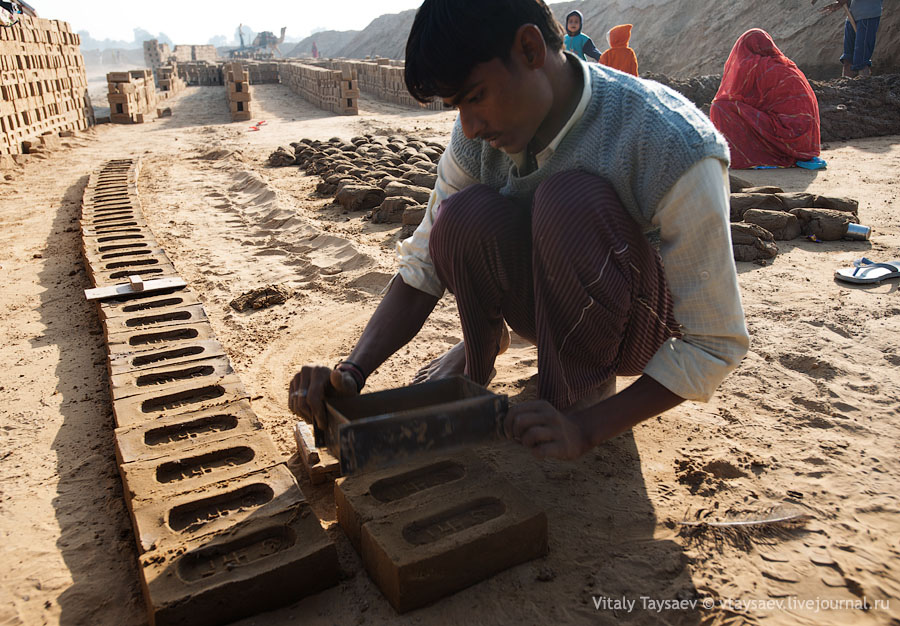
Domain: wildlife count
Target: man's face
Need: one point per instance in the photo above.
(503, 104)
(573, 24)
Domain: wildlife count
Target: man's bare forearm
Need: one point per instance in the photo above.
(643, 399)
(398, 319)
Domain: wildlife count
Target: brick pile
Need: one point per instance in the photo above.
(333, 90)
(237, 90)
(169, 79)
(43, 83)
(132, 96)
(223, 531)
(383, 79)
(262, 72)
(183, 53)
(155, 53)
(201, 73)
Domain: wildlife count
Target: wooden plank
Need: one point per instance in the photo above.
(122, 289)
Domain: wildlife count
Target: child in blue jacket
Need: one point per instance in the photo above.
(576, 41)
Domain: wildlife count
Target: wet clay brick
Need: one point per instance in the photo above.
(199, 466)
(384, 493)
(170, 436)
(167, 522)
(420, 555)
(155, 268)
(159, 379)
(159, 339)
(268, 562)
(192, 351)
(178, 399)
(91, 230)
(147, 302)
(319, 463)
(153, 319)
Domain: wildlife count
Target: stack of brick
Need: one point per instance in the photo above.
(201, 73)
(204, 53)
(223, 530)
(132, 96)
(383, 80)
(332, 90)
(263, 72)
(155, 53)
(237, 90)
(183, 54)
(43, 83)
(169, 79)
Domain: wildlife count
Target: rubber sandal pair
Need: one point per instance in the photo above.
(865, 271)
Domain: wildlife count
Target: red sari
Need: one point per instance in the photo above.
(765, 107)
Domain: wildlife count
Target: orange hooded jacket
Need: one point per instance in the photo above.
(620, 56)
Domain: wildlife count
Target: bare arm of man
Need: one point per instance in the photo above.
(398, 319)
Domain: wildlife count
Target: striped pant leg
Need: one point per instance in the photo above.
(602, 306)
(480, 245)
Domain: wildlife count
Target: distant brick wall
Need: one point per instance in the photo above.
(43, 82)
(382, 79)
(334, 90)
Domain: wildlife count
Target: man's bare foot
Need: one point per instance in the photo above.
(848, 72)
(453, 361)
(865, 72)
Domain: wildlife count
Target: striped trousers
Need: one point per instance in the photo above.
(576, 277)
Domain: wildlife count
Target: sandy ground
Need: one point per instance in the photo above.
(810, 419)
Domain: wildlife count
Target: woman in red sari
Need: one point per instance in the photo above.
(765, 106)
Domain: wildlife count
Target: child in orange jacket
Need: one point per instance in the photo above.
(620, 56)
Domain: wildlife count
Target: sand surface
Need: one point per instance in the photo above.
(811, 419)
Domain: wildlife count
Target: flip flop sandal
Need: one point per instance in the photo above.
(865, 271)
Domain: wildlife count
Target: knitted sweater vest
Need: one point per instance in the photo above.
(637, 134)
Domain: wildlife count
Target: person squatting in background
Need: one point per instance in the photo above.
(765, 107)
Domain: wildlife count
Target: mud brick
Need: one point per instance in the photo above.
(162, 376)
(241, 116)
(374, 495)
(170, 520)
(267, 562)
(469, 534)
(178, 399)
(140, 303)
(242, 96)
(161, 339)
(171, 435)
(197, 467)
(190, 352)
(148, 320)
(147, 271)
(92, 247)
(319, 463)
(128, 235)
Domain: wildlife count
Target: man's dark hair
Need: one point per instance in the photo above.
(450, 37)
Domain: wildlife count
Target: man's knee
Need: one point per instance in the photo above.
(571, 201)
(471, 219)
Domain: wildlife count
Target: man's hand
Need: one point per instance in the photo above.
(308, 388)
(545, 431)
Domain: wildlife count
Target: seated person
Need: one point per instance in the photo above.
(765, 107)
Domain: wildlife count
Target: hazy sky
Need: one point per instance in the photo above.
(195, 21)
